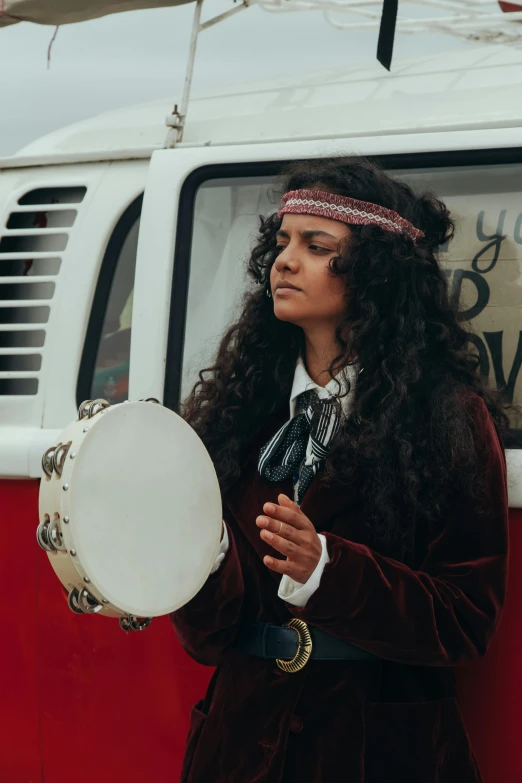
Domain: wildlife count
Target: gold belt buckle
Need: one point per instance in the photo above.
(304, 647)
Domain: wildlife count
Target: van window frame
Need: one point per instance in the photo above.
(185, 229)
(101, 298)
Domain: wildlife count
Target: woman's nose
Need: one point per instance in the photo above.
(287, 258)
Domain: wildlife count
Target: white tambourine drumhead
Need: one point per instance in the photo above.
(139, 510)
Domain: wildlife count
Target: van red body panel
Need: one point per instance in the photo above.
(490, 688)
(82, 700)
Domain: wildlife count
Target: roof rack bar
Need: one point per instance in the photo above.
(225, 15)
(176, 121)
(468, 19)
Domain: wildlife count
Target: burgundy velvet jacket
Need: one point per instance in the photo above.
(396, 720)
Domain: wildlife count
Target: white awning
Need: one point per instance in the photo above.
(56, 12)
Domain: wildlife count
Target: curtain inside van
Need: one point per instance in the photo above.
(57, 12)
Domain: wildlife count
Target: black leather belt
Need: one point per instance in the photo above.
(297, 643)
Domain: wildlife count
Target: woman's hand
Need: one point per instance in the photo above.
(296, 539)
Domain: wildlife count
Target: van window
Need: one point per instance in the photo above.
(105, 363)
(483, 262)
(226, 218)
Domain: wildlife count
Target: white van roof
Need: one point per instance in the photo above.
(478, 87)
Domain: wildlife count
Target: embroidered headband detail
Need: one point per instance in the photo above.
(347, 210)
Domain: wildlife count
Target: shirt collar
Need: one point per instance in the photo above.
(303, 382)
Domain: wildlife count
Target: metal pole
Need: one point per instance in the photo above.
(220, 17)
(176, 120)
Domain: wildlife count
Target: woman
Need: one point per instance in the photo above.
(364, 493)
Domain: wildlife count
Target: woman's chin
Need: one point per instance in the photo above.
(286, 312)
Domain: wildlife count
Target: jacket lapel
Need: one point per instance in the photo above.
(246, 498)
(321, 504)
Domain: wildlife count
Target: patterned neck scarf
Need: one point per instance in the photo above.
(300, 447)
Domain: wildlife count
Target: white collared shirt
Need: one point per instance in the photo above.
(303, 382)
(292, 592)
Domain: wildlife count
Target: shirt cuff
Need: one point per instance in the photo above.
(223, 549)
(297, 593)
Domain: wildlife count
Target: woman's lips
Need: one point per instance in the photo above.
(285, 291)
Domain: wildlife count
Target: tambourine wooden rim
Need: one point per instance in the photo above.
(130, 510)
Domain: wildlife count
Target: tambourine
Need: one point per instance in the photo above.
(130, 511)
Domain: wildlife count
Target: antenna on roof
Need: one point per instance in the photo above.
(489, 21)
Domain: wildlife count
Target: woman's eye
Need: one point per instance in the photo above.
(313, 248)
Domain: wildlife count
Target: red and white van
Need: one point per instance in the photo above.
(120, 265)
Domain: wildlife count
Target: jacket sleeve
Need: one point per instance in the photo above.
(298, 593)
(443, 614)
(210, 622)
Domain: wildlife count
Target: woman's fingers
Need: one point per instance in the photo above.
(289, 513)
(284, 500)
(278, 527)
(281, 567)
(286, 529)
(283, 545)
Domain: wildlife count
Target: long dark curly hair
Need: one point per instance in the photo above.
(409, 440)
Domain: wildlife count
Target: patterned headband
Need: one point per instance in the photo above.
(347, 210)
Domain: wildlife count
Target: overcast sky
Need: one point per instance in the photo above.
(140, 56)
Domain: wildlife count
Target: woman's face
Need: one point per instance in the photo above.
(306, 243)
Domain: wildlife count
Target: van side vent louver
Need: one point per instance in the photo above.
(33, 238)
